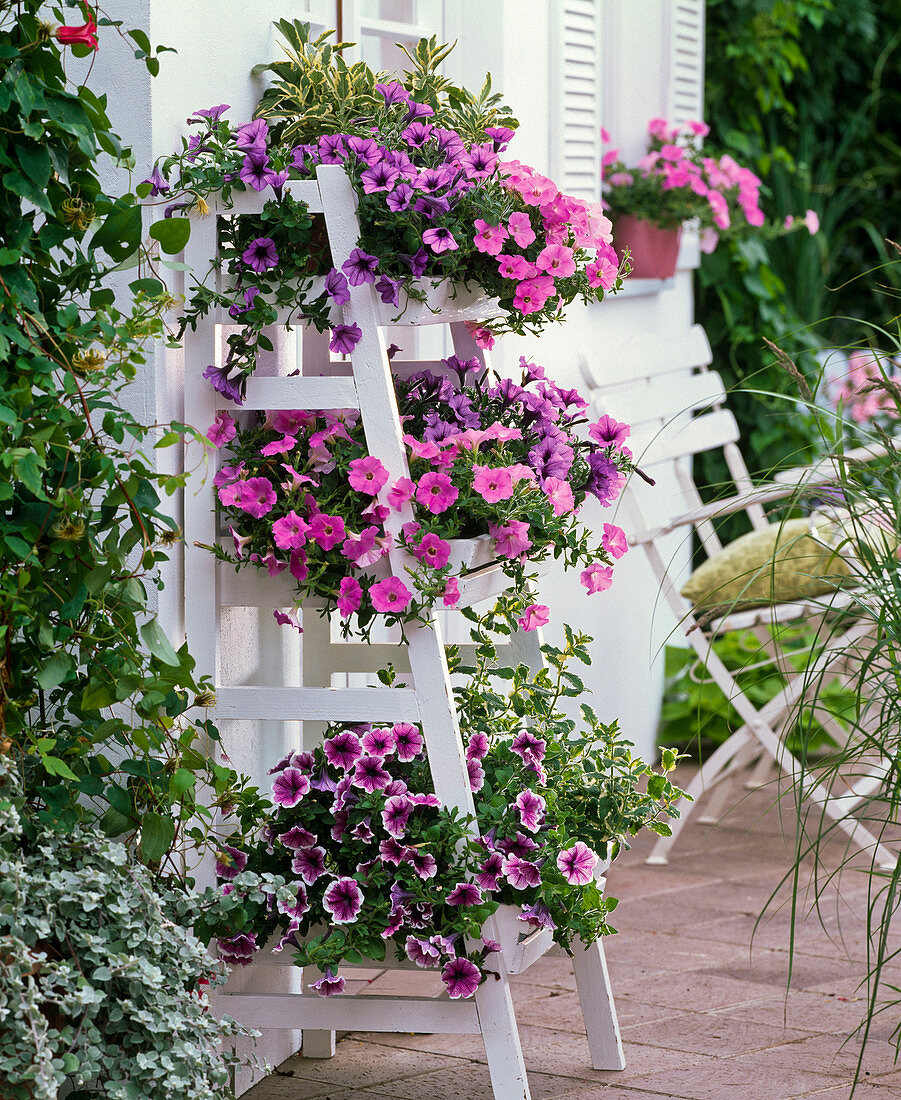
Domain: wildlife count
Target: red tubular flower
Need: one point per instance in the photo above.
(78, 36)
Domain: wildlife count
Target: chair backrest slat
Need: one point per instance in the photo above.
(661, 355)
(653, 443)
(659, 400)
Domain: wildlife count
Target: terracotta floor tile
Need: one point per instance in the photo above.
(358, 1064)
(712, 1033)
(737, 1079)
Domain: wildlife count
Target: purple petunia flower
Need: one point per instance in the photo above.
(407, 741)
(332, 149)
(369, 775)
(378, 742)
(426, 799)
(501, 136)
(396, 814)
(520, 845)
(329, 985)
(521, 873)
(298, 907)
(343, 899)
(228, 381)
(238, 950)
(464, 894)
(551, 458)
(417, 110)
(213, 114)
(159, 185)
(260, 255)
(289, 787)
(297, 838)
(380, 177)
(424, 864)
(343, 750)
(490, 871)
(461, 978)
(309, 863)
(578, 864)
(365, 149)
(336, 287)
(440, 239)
(531, 808)
(392, 852)
(476, 775)
(417, 262)
(230, 863)
(252, 135)
(477, 749)
(529, 748)
(417, 133)
(360, 267)
(422, 952)
(605, 479)
(249, 296)
(393, 93)
(255, 171)
(538, 916)
(389, 289)
(399, 198)
(345, 338)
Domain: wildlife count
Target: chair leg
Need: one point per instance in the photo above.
(598, 1009)
(710, 771)
(717, 797)
(503, 1049)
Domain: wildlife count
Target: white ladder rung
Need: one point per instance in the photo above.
(350, 1013)
(301, 392)
(315, 704)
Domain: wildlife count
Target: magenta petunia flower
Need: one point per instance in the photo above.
(297, 565)
(596, 578)
(423, 863)
(257, 496)
(297, 838)
(578, 864)
(329, 985)
(238, 950)
(614, 540)
(521, 873)
(536, 615)
(360, 267)
(531, 808)
(440, 240)
(510, 539)
(490, 871)
(345, 338)
(390, 595)
(260, 255)
(396, 814)
(369, 774)
(407, 741)
(326, 531)
(432, 550)
(289, 787)
(451, 595)
(230, 862)
(400, 492)
(365, 549)
(367, 475)
(298, 907)
(477, 747)
(288, 619)
(343, 750)
(461, 978)
(436, 492)
(343, 899)
(290, 532)
(492, 484)
(464, 894)
(608, 431)
(349, 598)
(422, 952)
(476, 775)
(529, 748)
(378, 742)
(279, 446)
(222, 430)
(309, 863)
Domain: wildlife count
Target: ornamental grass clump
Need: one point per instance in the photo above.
(511, 461)
(438, 200)
(373, 862)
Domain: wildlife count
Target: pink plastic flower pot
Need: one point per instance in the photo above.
(654, 251)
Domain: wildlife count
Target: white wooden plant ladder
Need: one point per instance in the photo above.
(428, 700)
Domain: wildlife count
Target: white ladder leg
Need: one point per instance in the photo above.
(598, 1009)
(497, 1022)
(318, 1044)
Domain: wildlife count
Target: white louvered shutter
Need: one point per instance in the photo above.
(576, 121)
(686, 91)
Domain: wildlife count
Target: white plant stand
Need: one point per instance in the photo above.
(429, 698)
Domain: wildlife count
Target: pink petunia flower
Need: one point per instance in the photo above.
(483, 337)
(290, 532)
(578, 864)
(515, 267)
(531, 808)
(426, 449)
(326, 531)
(400, 492)
(367, 475)
(510, 539)
(342, 750)
(390, 595)
(602, 272)
(451, 595)
(489, 238)
(440, 239)
(436, 492)
(464, 894)
(369, 774)
(520, 226)
(349, 598)
(532, 294)
(378, 742)
(535, 616)
(596, 578)
(560, 495)
(289, 787)
(408, 741)
(343, 899)
(279, 446)
(432, 550)
(556, 260)
(222, 430)
(492, 484)
(256, 496)
(614, 540)
(396, 814)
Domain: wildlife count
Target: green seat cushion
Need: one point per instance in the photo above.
(780, 563)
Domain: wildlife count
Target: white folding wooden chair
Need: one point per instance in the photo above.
(677, 411)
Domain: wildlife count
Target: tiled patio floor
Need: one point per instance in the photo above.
(703, 1009)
